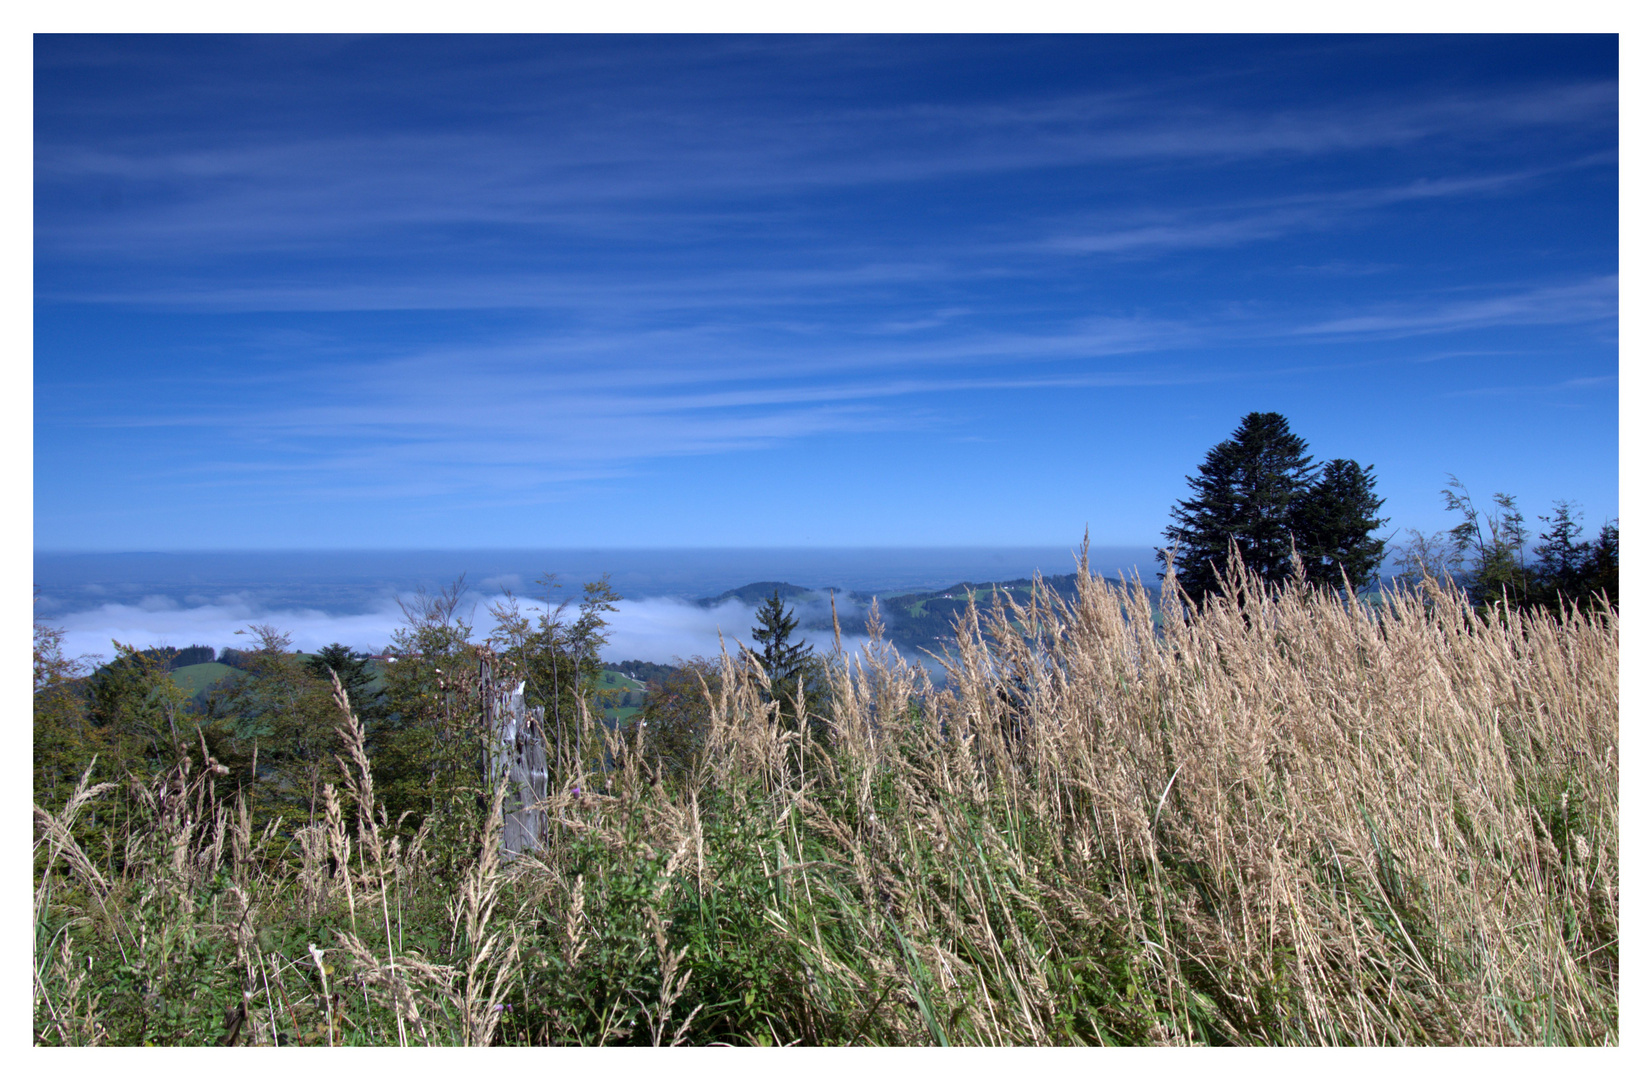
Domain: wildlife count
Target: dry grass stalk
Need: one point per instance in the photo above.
(492, 957)
(1286, 816)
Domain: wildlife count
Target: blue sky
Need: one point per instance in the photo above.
(490, 292)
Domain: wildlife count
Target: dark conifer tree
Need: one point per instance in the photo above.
(791, 666)
(1560, 558)
(1260, 492)
(1570, 570)
(1600, 569)
(1335, 522)
(354, 673)
(1249, 492)
(782, 659)
(1490, 557)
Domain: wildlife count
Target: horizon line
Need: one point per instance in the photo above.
(583, 547)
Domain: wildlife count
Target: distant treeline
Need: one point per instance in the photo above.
(642, 670)
(758, 591)
(174, 658)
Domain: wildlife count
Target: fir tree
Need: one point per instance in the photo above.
(1600, 569)
(1259, 493)
(1335, 523)
(1560, 555)
(1569, 570)
(1247, 493)
(786, 663)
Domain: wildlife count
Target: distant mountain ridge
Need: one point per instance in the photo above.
(915, 620)
(759, 591)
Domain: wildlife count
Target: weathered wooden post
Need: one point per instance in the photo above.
(516, 749)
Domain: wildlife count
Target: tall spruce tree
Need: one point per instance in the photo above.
(786, 663)
(1260, 492)
(1247, 492)
(1561, 555)
(1335, 522)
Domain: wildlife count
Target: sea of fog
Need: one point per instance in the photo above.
(145, 599)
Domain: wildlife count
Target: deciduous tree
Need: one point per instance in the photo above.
(65, 740)
(280, 716)
(1492, 543)
(676, 716)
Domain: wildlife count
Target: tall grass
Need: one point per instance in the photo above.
(1286, 818)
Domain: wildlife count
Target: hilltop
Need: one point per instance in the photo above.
(759, 591)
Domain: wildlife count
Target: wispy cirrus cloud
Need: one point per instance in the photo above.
(1564, 386)
(539, 413)
(426, 435)
(624, 170)
(1594, 300)
(421, 274)
(1241, 223)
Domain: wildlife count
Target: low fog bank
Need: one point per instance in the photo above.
(660, 629)
(655, 629)
(160, 621)
(358, 580)
(203, 598)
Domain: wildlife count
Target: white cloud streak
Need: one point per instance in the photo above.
(1592, 300)
(690, 265)
(1227, 226)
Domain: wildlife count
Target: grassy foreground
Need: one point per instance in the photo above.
(1284, 820)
